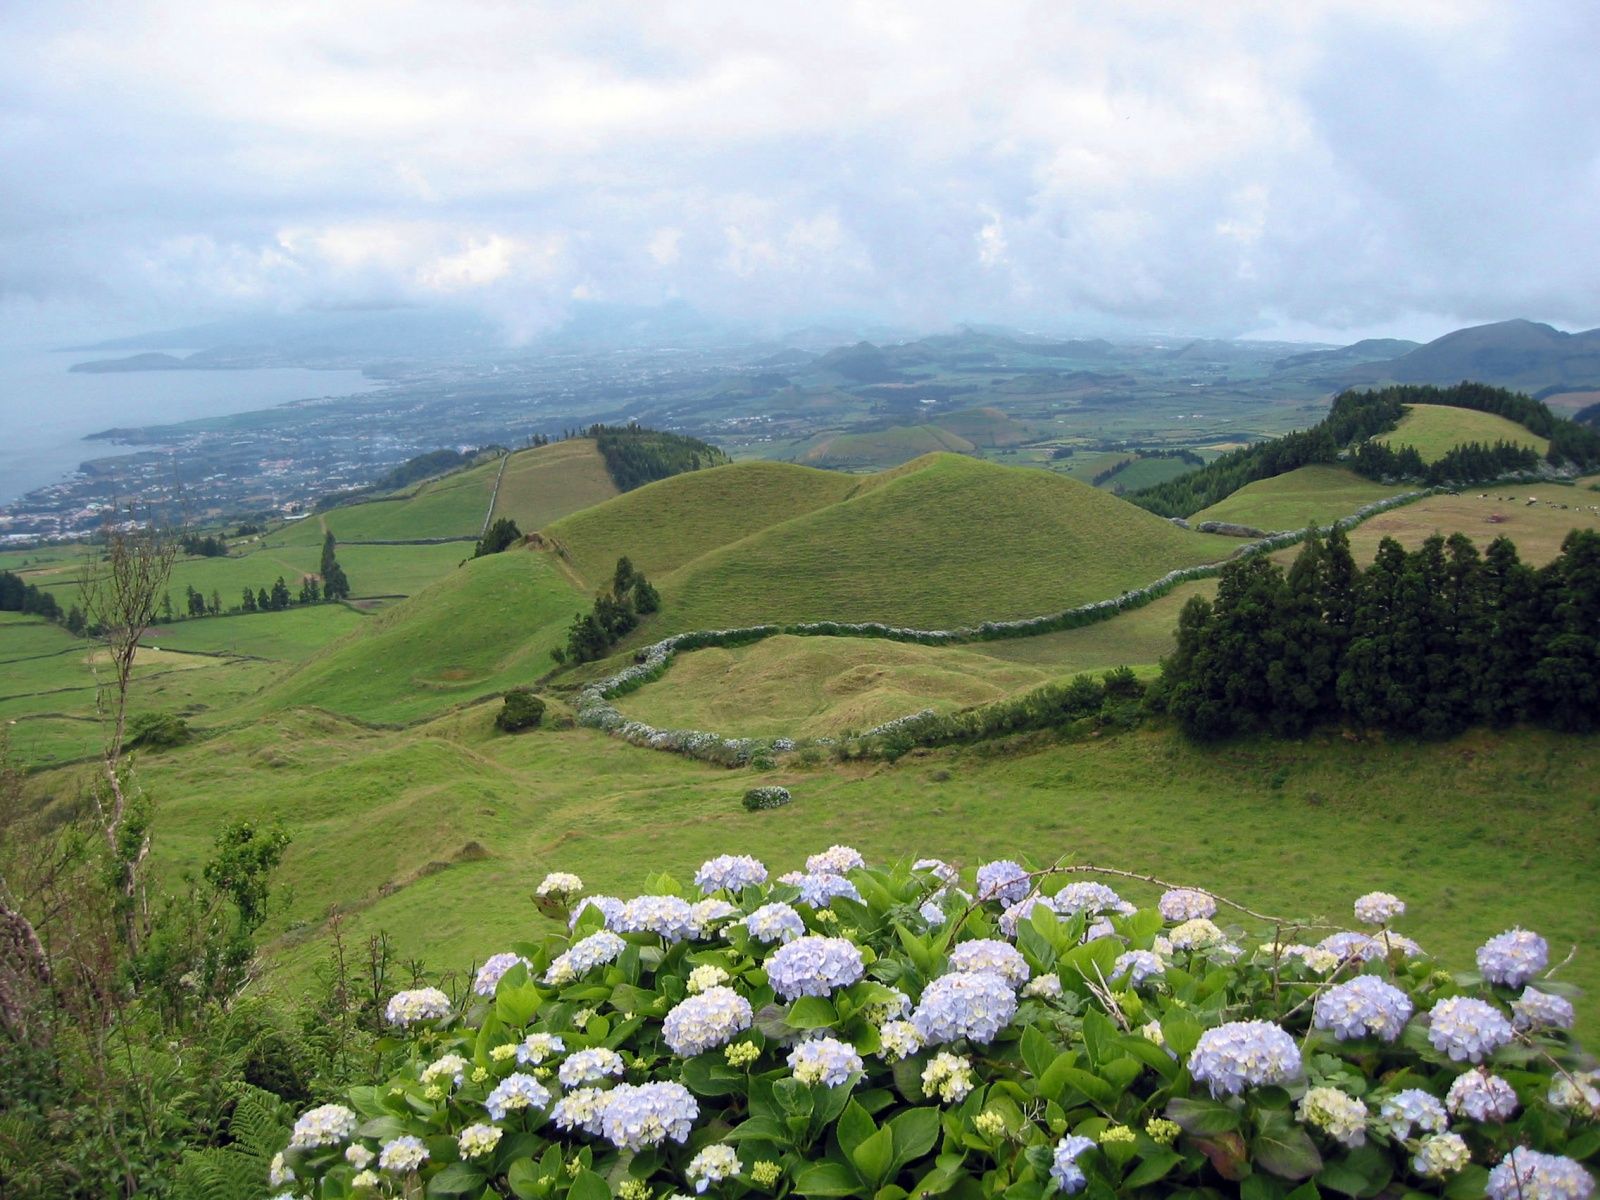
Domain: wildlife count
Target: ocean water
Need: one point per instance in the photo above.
(46, 412)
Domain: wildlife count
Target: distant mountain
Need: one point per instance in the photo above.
(1365, 351)
(1516, 354)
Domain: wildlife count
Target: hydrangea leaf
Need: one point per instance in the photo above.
(915, 1131)
(588, 1186)
(457, 1179)
(1287, 1151)
(855, 1126)
(1155, 1166)
(1201, 1118)
(811, 1012)
(874, 1157)
(829, 1179)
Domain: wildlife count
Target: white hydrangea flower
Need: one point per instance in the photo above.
(420, 1004)
(1379, 908)
(1441, 1156)
(1196, 934)
(706, 975)
(712, 1165)
(948, 1076)
(1047, 987)
(325, 1125)
(899, 1039)
(1340, 1116)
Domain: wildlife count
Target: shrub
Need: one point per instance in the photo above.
(521, 710)
(766, 797)
(878, 1032)
(158, 731)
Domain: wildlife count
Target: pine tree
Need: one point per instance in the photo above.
(1510, 599)
(280, 595)
(248, 601)
(335, 585)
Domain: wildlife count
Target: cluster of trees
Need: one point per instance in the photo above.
(18, 595)
(1428, 642)
(502, 535)
(330, 584)
(203, 546)
(1357, 417)
(635, 456)
(1468, 463)
(615, 614)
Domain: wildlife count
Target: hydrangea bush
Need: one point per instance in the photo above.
(923, 1032)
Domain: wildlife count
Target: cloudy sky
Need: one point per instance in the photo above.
(1325, 167)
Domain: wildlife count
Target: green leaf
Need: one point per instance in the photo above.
(1037, 1052)
(855, 1126)
(766, 1129)
(917, 948)
(525, 1180)
(516, 1005)
(875, 1157)
(1055, 1077)
(946, 1173)
(810, 1012)
(626, 998)
(457, 1179)
(588, 1186)
(1155, 1166)
(1287, 1151)
(1467, 1183)
(1099, 1034)
(1181, 1031)
(1342, 1177)
(1201, 1118)
(1099, 1092)
(915, 1131)
(1152, 1056)
(829, 1179)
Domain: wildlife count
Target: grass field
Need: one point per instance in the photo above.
(551, 482)
(663, 525)
(1435, 429)
(1295, 499)
(985, 427)
(438, 834)
(453, 506)
(817, 686)
(293, 635)
(482, 629)
(954, 540)
(1147, 472)
(1537, 529)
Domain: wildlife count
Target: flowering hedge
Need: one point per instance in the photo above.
(596, 711)
(766, 797)
(914, 1031)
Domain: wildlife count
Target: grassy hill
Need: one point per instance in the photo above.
(1318, 493)
(483, 628)
(1435, 429)
(551, 482)
(949, 540)
(664, 525)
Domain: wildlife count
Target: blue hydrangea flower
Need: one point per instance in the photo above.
(583, 956)
(1003, 881)
(1244, 1054)
(1467, 1029)
(813, 966)
(820, 889)
(730, 872)
(1186, 904)
(647, 1114)
(1021, 911)
(1379, 908)
(488, 977)
(1540, 1010)
(835, 860)
(700, 1023)
(705, 915)
(668, 917)
(1064, 1168)
(419, 1004)
(589, 1066)
(515, 1092)
(581, 1108)
(938, 867)
(325, 1125)
(1529, 1175)
(1413, 1108)
(825, 1060)
(609, 907)
(1513, 957)
(403, 1154)
(1088, 897)
(1366, 1006)
(1482, 1097)
(975, 1005)
(989, 954)
(775, 923)
(1138, 966)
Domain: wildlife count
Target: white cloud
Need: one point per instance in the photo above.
(1227, 166)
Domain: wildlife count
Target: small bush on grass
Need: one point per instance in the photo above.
(766, 797)
(521, 710)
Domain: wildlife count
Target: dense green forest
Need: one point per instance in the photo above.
(1427, 642)
(1357, 417)
(636, 456)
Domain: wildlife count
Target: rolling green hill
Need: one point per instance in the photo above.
(664, 525)
(1318, 493)
(1434, 429)
(948, 541)
(481, 629)
(550, 482)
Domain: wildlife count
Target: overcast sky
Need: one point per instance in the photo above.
(1329, 168)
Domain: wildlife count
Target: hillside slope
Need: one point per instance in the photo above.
(952, 541)
(1517, 354)
(484, 627)
(1319, 493)
(1436, 429)
(664, 525)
